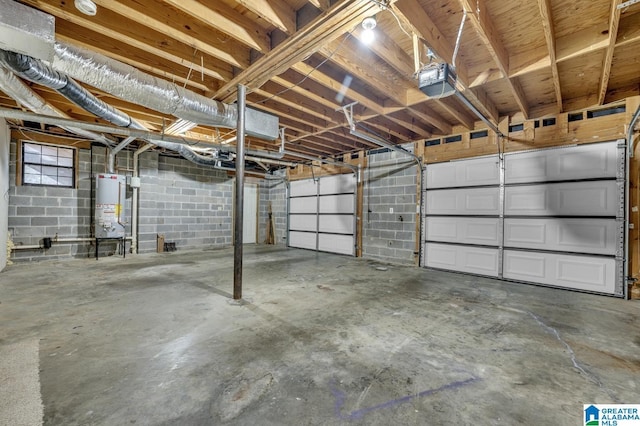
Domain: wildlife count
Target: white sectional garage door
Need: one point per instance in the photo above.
(462, 226)
(553, 217)
(322, 214)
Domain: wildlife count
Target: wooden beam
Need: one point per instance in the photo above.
(200, 40)
(549, 36)
(430, 117)
(329, 82)
(614, 22)
(276, 12)
(412, 12)
(411, 124)
(582, 42)
(321, 4)
(362, 66)
(298, 101)
(491, 39)
(326, 27)
(114, 26)
(457, 110)
(217, 15)
(387, 49)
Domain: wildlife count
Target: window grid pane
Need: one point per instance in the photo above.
(47, 165)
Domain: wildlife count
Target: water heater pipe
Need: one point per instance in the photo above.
(134, 198)
(115, 150)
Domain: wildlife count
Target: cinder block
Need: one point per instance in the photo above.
(61, 211)
(16, 221)
(20, 200)
(44, 221)
(30, 211)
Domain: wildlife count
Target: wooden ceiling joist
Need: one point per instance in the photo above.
(277, 12)
(328, 26)
(303, 60)
(491, 39)
(225, 19)
(550, 38)
(205, 43)
(614, 21)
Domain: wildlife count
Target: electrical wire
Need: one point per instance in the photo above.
(455, 50)
(395, 15)
(44, 132)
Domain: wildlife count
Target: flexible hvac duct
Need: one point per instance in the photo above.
(37, 72)
(14, 87)
(131, 84)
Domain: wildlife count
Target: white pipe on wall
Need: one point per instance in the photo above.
(134, 199)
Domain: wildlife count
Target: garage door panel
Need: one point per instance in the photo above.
(342, 244)
(475, 172)
(305, 187)
(593, 198)
(303, 205)
(299, 222)
(338, 224)
(337, 203)
(338, 184)
(480, 231)
(588, 273)
(572, 163)
(306, 240)
(475, 260)
(595, 236)
(324, 221)
(465, 201)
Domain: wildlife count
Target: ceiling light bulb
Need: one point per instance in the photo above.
(368, 36)
(369, 23)
(87, 7)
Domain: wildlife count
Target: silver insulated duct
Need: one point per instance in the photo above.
(38, 72)
(14, 87)
(135, 86)
(131, 84)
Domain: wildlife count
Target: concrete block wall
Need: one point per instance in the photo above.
(36, 212)
(274, 191)
(390, 182)
(191, 206)
(5, 140)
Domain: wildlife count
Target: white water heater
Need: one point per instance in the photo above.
(110, 196)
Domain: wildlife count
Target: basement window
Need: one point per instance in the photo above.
(606, 111)
(575, 117)
(452, 139)
(479, 134)
(432, 142)
(548, 122)
(48, 165)
(516, 128)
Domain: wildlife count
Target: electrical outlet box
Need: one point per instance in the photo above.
(134, 182)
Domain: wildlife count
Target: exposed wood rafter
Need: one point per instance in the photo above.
(491, 39)
(549, 35)
(614, 22)
(227, 20)
(328, 26)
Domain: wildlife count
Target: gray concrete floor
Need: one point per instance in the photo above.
(320, 340)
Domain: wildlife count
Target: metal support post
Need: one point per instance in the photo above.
(239, 201)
